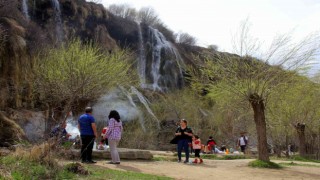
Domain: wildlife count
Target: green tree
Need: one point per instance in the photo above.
(78, 73)
(254, 79)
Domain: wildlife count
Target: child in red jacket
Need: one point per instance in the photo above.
(196, 145)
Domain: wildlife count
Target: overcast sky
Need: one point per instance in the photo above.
(214, 21)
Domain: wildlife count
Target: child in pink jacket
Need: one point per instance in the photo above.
(196, 144)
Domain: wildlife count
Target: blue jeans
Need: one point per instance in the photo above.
(183, 144)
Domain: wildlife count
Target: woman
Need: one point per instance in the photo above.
(114, 135)
(184, 135)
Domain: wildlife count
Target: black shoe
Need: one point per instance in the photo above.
(117, 162)
(90, 162)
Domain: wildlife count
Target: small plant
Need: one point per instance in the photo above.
(264, 164)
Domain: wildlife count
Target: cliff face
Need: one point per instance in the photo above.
(29, 26)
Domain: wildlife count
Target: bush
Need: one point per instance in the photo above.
(264, 164)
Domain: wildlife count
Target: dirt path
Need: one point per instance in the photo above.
(213, 169)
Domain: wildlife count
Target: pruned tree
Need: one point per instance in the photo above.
(254, 79)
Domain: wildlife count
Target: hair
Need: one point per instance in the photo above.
(114, 114)
(210, 137)
(196, 136)
(88, 110)
(185, 121)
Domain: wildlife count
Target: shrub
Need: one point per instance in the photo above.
(264, 164)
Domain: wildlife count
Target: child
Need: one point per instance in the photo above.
(196, 144)
(211, 144)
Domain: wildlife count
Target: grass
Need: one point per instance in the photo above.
(297, 158)
(21, 169)
(264, 164)
(298, 164)
(103, 173)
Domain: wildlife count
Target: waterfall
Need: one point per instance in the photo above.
(142, 58)
(166, 70)
(25, 9)
(57, 12)
(126, 102)
(145, 102)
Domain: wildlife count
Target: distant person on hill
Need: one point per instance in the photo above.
(114, 135)
(184, 136)
(211, 144)
(196, 144)
(88, 133)
(243, 142)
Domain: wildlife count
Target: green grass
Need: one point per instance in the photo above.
(296, 158)
(23, 169)
(264, 164)
(298, 164)
(20, 168)
(103, 173)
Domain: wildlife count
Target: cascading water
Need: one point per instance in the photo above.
(57, 12)
(25, 9)
(142, 58)
(166, 62)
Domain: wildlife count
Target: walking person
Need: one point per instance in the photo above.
(114, 135)
(184, 135)
(88, 133)
(243, 142)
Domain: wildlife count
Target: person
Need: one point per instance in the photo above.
(104, 138)
(243, 142)
(184, 134)
(88, 133)
(211, 144)
(60, 132)
(114, 135)
(196, 144)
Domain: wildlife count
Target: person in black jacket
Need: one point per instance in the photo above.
(184, 136)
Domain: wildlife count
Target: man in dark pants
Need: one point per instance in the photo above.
(88, 133)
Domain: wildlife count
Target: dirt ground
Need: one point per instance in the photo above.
(216, 169)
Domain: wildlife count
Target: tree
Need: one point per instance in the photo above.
(123, 10)
(77, 73)
(187, 39)
(254, 79)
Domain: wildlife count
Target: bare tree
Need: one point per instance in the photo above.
(123, 10)
(185, 38)
(254, 79)
(148, 15)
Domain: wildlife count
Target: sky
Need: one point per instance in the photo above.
(215, 21)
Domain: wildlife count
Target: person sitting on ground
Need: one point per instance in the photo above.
(211, 144)
(196, 144)
(60, 132)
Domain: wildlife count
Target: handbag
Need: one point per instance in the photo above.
(174, 140)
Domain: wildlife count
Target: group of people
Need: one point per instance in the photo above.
(88, 134)
(184, 137)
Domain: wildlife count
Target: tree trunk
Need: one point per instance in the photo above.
(260, 121)
(300, 127)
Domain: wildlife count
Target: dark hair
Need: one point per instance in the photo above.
(196, 136)
(185, 121)
(210, 137)
(114, 114)
(88, 110)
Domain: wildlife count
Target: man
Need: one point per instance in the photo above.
(242, 142)
(60, 132)
(88, 133)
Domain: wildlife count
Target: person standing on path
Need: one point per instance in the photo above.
(88, 133)
(184, 134)
(114, 135)
(243, 142)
